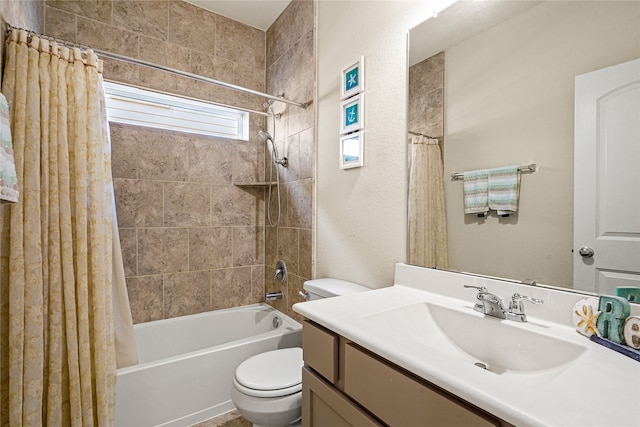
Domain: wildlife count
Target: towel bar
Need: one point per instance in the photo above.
(525, 168)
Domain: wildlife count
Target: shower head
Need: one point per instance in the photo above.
(265, 135)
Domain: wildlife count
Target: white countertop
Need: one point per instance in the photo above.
(599, 388)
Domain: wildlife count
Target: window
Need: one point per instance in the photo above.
(131, 105)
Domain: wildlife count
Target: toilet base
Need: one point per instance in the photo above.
(271, 411)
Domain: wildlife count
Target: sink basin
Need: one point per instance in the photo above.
(500, 346)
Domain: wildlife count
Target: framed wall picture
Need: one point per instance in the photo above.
(352, 81)
(351, 114)
(351, 150)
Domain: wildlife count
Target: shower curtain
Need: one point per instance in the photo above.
(427, 220)
(57, 352)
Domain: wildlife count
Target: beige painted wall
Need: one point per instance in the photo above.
(509, 100)
(361, 213)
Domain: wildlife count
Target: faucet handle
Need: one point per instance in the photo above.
(479, 305)
(516, 307)
(481, 289)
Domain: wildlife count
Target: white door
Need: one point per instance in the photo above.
(607, 179)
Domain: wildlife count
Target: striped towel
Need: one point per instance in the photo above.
(504, 189)
(8, 179)
(475, 189)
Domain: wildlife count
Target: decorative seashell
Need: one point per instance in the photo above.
(585, 314)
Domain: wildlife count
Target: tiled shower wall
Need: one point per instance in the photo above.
(192, 241)
(291, 69)
(426, 96)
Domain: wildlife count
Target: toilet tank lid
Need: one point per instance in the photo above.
(328, 287)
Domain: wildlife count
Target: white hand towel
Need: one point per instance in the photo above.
(8, 180)
(476, 191)
(504, 189)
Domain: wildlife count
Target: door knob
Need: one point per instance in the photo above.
(586, 252)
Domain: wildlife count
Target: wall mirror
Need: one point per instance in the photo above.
(493, 81)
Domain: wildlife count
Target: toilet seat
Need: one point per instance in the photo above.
(271, 374)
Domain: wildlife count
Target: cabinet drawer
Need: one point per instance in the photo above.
(320, 350)
(401, 400)
(323, 405)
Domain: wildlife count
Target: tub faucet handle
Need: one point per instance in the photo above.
(281, 271)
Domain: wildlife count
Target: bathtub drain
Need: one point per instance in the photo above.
(276, 322)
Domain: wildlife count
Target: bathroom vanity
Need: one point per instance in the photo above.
(417, 353)
(344, 385)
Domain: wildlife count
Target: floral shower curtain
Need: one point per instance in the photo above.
(57, 356)
(427, 217)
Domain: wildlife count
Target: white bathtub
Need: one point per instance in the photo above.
(187, 363)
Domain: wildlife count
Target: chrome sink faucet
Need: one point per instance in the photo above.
(488, 303)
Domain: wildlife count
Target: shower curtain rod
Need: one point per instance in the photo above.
(102, 53)
(422, 134)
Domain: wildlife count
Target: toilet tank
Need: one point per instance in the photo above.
(327, 288)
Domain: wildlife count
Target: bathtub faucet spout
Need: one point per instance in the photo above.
(272, 296)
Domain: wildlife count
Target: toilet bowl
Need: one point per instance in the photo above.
(267, 387)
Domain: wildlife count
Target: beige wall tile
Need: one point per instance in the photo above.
(307, 150)
(210, 248)
(270, 246)
(186, 204)
(248, 206)
(178, 57)
(299, 209)
(192, 26)
(230, 287)
(248, 161)
(154, 50)
(288, 242)
(129, 246)
(145, 298)
(212, 66)
(149, 17)
(163, 155)
(296, 20)
(163, 250)
(138, 203)
(248, 246)
(257, 284)
(106, 37)
(210, 160)
(186, 293)
(60, 24)
(167, 82)
(120, 71)
(124, 151)
(99, 10)
(305, 253)
(240, 43)
(222, 212)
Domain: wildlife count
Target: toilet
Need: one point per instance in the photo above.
(267, 387)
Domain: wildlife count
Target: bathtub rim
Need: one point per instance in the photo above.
(288, 326)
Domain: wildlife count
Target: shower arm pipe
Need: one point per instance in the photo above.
(123, 58)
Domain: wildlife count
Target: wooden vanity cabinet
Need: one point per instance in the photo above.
(343, 384)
